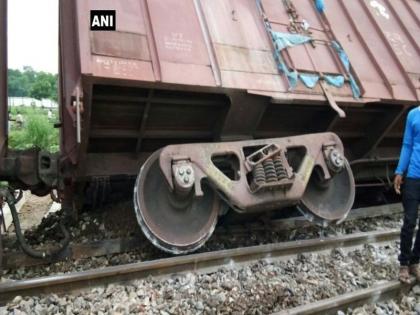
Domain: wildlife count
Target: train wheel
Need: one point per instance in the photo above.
(331, 200)
(174, 224)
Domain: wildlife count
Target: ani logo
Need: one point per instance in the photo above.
(102, 20)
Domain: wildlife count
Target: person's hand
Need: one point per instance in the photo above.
(398, 180)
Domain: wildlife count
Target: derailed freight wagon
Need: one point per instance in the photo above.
(213, 104)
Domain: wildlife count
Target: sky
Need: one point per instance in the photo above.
(33, 34)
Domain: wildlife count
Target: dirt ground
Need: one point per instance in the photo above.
(32, 212)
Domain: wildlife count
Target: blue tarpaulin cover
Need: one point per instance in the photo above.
(346, 63)
(320, 5)
(334, 80)
(282, 41)
(310, 80)
(286, 40)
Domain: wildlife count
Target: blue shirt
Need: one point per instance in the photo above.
(410, 151)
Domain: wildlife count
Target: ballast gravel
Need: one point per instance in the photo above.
(118, 220)
(407, 304)
(220, 240)
(260, 288)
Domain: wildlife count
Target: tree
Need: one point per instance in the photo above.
(40, 89)
(31, 83)
(18, 83)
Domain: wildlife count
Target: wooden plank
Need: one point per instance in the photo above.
(75, 251)
(301, 222)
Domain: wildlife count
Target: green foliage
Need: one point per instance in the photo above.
(37, 131)
(18, 83)
(24, 110)
(40, 89)
(30, 83)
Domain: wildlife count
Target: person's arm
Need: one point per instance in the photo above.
(405, 155)
(407, 147)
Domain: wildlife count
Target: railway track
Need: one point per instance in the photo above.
(18, 259)
(198, 263)
(377, 293)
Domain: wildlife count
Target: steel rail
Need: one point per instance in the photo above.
(204, 262)
(18, 259)
(376, 293)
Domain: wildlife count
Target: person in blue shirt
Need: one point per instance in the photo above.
(408, 172)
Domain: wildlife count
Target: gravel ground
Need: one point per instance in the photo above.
(146, 251)
(110, 222)
(408, 304)
(259, 288)
(118, 220)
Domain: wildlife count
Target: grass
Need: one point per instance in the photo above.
(37, 131)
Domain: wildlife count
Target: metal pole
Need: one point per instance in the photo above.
(3, 78)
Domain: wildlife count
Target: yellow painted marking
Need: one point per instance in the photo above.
(306, 168)
(219, 178)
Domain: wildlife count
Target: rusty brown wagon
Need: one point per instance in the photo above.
(208, 103)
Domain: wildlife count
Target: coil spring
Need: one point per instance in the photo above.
(258, 173)
(270, 171)
(280, 169)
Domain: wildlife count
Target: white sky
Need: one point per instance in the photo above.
(33, 34)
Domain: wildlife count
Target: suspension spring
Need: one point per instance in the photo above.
(258, 173)
(280, 169)
(270, 171)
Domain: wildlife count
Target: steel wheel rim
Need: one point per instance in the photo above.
(176, 230)
(332, 202)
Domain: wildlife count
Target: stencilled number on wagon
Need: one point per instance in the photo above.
(122, 68)
(380, 9)
(177, 41)
(398, 44)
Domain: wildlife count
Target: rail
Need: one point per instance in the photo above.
(17, 259)
(374, 294)
(204, 262)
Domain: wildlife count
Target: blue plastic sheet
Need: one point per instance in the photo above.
(346, 63)
(292, 75)
(310, 80)
(284, 40)
(320, 5)
(342, 54)
(334, 80)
